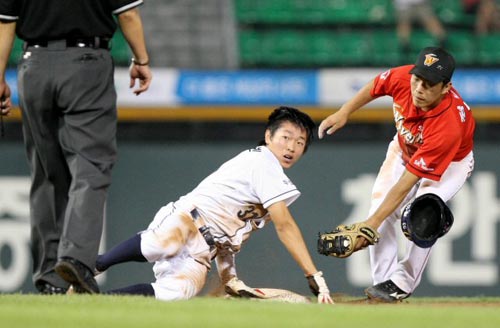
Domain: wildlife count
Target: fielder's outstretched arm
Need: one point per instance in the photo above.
(391, 201)
(393, 198)
(338, 119)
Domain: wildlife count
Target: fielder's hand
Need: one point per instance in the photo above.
(332, 123)
(236, 287)
(318, 287)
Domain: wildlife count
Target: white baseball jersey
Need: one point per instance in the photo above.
(232, 202)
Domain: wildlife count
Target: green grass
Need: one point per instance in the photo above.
(23, 310)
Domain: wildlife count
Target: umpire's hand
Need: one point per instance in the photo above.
(143, 74)
(5, 102)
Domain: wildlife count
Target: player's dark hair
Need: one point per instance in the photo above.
(289, 114)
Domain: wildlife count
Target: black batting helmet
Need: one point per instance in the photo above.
(426, 219)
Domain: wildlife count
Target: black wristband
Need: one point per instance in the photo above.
(313, 286)
(138, 63)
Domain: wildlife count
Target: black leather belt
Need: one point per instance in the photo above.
(204, 230)
(95, 42)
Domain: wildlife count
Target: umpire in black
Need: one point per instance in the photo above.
(68, 103)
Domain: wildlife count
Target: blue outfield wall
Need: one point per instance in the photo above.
(325, 87)
(335, 180)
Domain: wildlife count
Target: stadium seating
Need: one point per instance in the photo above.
(297, 34)
(314, 11)
(489, 49)
(338, 33)
(351, 47)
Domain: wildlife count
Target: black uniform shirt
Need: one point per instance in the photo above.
(62, 19)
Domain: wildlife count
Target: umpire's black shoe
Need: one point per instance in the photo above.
(386, 292)
(47, 288)
(77, 274)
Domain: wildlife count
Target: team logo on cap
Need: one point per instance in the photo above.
(430, 59)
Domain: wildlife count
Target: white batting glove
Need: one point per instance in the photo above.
(318, 287)
(236, 287)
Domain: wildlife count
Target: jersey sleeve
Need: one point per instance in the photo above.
(382, 84)
(389, 83)
(120, 6)
(9, 10)
(272, 185)
(440, 145)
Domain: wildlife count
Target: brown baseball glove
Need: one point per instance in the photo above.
(347, 239)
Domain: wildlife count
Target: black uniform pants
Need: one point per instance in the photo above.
(68, 104)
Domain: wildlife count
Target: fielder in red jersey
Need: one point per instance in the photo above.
(432, 152)
(448, 128)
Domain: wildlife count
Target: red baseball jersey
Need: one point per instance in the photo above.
(431, 139)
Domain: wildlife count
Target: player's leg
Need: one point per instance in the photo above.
(384, 254)
(181, 278)
(126, 251)
(410, 269)
(130, 249)
(185, 279)
(167, 235)
(138, 289)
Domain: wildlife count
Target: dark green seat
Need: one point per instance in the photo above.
(342, 33)
(385, 50)
(250, 47)
(463, 46)
(314, 11)
(489, 49)
(450, 12)
(276, 47)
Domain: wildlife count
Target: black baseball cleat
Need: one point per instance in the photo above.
(78, 275)
(46, 288)
(386, 292)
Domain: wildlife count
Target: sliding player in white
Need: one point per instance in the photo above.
(219, 214)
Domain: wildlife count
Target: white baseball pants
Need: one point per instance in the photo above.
(406, 273)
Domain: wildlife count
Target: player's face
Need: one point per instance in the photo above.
(426, 96)
(287, 143)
